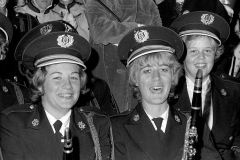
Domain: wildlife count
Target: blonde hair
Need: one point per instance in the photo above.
(218, 49)
(153, 58)
(38, 78)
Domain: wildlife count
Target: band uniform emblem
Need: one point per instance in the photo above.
(81, 125)
(46, 29)
(176, 118)
(223, 92)
(136, 117)
(141, 36)
(35, 122)
(207, 19)
(65, 41)
(4, 89)
(32, 107)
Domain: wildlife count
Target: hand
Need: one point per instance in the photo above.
(140, 25)
(68, 17)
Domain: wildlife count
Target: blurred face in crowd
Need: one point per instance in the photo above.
(154, 79)
(42, 4)
(66, 1)
(61, 88)
(201, 51)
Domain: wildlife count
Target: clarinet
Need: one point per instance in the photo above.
(68, 147)
(194, 121)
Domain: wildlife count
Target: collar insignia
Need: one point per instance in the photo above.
(176, 118)
(65, 41)
(136, 118)
(141, 36)
(46, 29)
(81, 125)
(207, 19)
(223, 92)
(35, 122)
(5, 89)
(32, 107)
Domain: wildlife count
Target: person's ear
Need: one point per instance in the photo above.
(3, 3)
(41, 90)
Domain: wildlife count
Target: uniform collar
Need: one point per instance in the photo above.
(70, 5)
(164, 116)
(217, 84)
(37, 10)
(138, 115)
(65, 121)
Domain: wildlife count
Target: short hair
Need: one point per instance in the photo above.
(38, 78)
(153, 58)
(219, 49)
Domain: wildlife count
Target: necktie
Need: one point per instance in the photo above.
(158, 123)
(57, 125)
(207, 104)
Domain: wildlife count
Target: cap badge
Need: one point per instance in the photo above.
(65, 41)
(136, 118)
(35, 122)
(177, 118)
(207, 19)
(81, 125)
(141, 36)
(46, 29)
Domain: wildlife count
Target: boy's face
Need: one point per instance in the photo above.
(200, 55)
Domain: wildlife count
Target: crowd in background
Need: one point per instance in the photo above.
(103, 24)
(104, 29)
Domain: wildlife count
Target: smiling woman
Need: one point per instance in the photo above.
(56, 60)
(153, 127)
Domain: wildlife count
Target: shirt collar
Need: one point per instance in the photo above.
(164, 116)
(65, 121)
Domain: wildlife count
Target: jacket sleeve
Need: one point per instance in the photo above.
(120, 150)
(10, 139)
(105, 29)
(103, 127)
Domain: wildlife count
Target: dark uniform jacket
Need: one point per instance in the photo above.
(12, 93)
(26, 134)
(226, 105)
(136, 139)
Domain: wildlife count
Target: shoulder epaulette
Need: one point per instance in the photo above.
(125, 113)
(14, 82)
(19, 108)
(92, 109)
(226, 77)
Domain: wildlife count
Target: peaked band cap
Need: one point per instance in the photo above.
(149, 39)
(202, 23)
(40, 30)
(6, 27)
(56, 47)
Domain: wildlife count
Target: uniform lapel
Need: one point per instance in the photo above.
(39, 137)
(222, 114)
(175, 135)
(81, 135)
(182, 97)
(142, 131)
